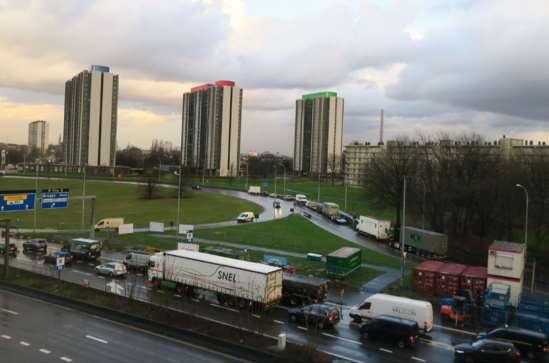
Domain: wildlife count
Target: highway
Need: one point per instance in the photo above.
(342, 341)
(36, 331)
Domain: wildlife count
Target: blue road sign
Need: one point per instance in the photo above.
(54, 198)
(17, 200)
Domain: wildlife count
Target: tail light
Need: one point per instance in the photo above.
(517, 354)
(546, 349)
(330, 317)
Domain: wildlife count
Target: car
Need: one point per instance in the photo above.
(486, 350)
(531, 344)
(274, 195)
(300, 199)
(35, 245)
(312, 205)
(112, 269)
(316, 315)
(52, 258)
(196, 187)
(12, 250)
(288, 197)
(402, 332)
(340, 220)
(245, 217)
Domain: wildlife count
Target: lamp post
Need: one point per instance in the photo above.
(178, 203)
(402, 234)
(318, 190)
(526, 234)
(36, 163)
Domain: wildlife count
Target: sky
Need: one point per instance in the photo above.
(448, 66)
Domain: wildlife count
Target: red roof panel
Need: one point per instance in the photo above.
(429, 266)
(452, 269)
(475, 272)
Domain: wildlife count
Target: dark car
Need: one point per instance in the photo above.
(316, 315)
(402, 332)
(35, 245)
(531, 344)
(12, 250)
(486, 350)
(196, 187)
(52, 259)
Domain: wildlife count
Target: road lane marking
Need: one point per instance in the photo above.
(279, 322)
(340, 356)
(82, 272)
(386, 350)
(342, 338)
(45, 351)
(454, 329)
(10, 311)
(66, 359)
(23, 343)
(418, 359)
(437, 344)
(101, 277)
(302, 327)
(176, 295)
(225, 308)
(97, 339)
(256, 316)
(7, 337)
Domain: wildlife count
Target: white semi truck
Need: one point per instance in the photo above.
(237, 283)
(377, 228)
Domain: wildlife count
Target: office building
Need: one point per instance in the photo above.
(91, 108)
(318, 134)
(39, 136)
(211, 123)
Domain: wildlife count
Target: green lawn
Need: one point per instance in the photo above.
(122, 200)
(293, 234)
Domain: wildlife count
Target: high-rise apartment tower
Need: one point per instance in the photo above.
(39, 135)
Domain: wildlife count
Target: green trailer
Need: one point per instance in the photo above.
(426, 243)
(340, 263)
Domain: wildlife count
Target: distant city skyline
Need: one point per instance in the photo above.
(433, 66)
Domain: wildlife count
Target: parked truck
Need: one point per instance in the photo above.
(400, 307)
(423, 242)
(238, 283)
(377, 228)
(329, 210)
(303, 290)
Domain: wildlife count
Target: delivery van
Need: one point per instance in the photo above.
(400, 307)
(109, 223)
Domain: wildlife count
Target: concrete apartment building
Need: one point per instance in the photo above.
(211, 125)
(90, 122)
(39, 135)
(318, 142)
(357, 155)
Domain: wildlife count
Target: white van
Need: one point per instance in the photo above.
(245, 217)
(301, 199)
(400, 307)
(109, 223)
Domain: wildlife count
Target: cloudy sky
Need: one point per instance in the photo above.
(453, 66)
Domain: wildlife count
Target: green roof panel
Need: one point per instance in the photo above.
(312, 96)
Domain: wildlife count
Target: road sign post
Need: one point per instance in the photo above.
(59, 265)
(17, 201)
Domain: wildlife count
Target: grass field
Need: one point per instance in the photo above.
(122, 200)
(293, 234)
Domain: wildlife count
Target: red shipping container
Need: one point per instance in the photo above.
(448, 279)
(424, 278)
(474, 279)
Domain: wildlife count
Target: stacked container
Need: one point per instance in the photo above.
(496, 308)
(341, 263)
(425, 275)
(506, 266)
(474, 279)
(448, 279)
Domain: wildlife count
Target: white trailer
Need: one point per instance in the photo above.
(236, 282)
(382, 304)
(254, 189)
(377, 228)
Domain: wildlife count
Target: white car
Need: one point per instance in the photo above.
(245, 217)
(112, 269)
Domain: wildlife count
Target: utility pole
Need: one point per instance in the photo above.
(92, 220)
(318, 190)
(178, 203)
(6, 223)
(247, 172)
(36, 195)
(83, 195)
(402, 234)
(275, 178)
(345, 206)
(284, 180)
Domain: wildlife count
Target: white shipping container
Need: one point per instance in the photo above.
(125, 228)
(248, 280)
(514, 285)
(156, 227)
(374, 227)
(382, 304)
(506, 259)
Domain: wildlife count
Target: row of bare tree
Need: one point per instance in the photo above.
(466, 188)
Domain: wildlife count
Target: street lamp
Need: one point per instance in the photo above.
(526, 233)
(402, 233)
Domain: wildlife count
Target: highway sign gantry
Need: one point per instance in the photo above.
(17, 200)
(54, 198)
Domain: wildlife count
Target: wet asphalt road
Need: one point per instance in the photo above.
(341, 341)
(35, 331)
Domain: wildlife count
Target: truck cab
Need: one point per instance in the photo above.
(85, 249)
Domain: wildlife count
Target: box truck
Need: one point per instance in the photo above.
(329, 210)
(254, 189)
(423, 243)
(237, 283)
(377, 228)
(109, 223)
(400, 307)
